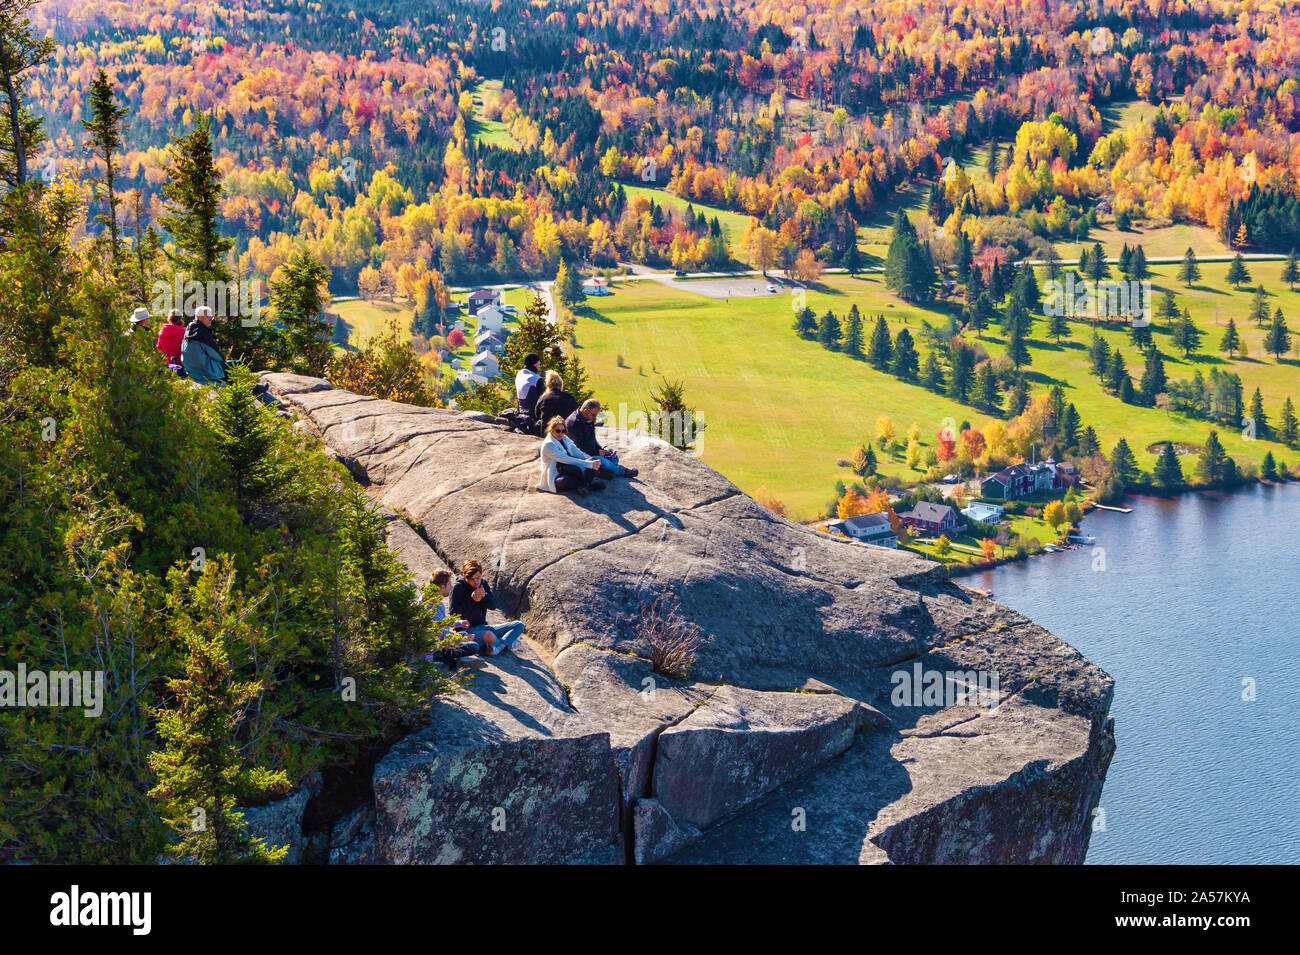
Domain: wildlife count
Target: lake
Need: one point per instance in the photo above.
(1182, 601)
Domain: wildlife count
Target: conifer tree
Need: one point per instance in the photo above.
(1124, 463)
(853, 332)
(1290, 424)
(1257, 415)
(1231, 341)
(1278, 339)
(1189, 272)
(828, 332)
(881, 352)
(1237, 271)
(105, 129)
(1168, 473)
(1186, 335)
(906, 360)
(302, 342)
(1291, 271)
(193, 201)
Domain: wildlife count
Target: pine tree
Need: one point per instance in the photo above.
(828, 332)
(1259, 307)
(1138, 269)
(1189, 272)
(245, 430)
(1153, 377)
(805, 322)
(22, 54)
(1257, 415)
(1140, 333)
(1278, 339)
(105, 129)
(1168, 308)
(1017, 349)
(1058, 325)
(1211, 466)
(881, 351)
(1019, 397)
(1099, 354)
(1291, 271)
(193, 201)
(1124, 462)
(1231, 341)
(1116, 372)
(933, 374)
(986, 388)
(201, 775)
(670, 406)
(962, 362)
(906, 360)
(1070, 427)
(1088, 442)
(851, 260)
(1126, 261)
(982, 312)
(1290, 424)
(1168, 473)
(1098, 268)
(1237, 271)
(302, 344)
(1187, 336)
(853, 332)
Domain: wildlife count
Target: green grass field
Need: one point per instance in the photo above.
(733, 223)
(489, 132)
(780, 411)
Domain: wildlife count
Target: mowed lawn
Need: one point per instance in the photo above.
(780, 411)
(733, 223)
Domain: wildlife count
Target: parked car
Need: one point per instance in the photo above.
(951, 478)
(679, 274)
(771, 288)
(510, 309)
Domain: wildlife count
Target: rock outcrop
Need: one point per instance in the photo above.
(797, 738)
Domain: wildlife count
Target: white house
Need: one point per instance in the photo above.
(985, 513)
(490, 340)
(868, 528)
(490, 318)
(485, 364)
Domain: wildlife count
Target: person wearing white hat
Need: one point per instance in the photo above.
(138, 319)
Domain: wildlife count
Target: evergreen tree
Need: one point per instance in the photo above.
(828, 332)
(574, 374)
(1268, 467)
(1237, 271)
(22, 54)
(1070, 427)
(1212, 465)
(853, 332)
(1187, 336)
(1088, 442)
(1257, 415)
(805, 322)
(962, 372)
(105, 128)
(1231, 341)
(881, 352)
(1099, 354)
(1189, 272)
(1290, 424)
(1116, 372)
(1153, 377)
(1126, 261)
(245, 430)
(1098, 267)
(1124, 462)
(1127, 394)
(671, 406)
(1291, 271)
(986, 388)
(906, 360)
(1019, 397)
(1168, 473)
(1168, 308)
(1259, 307)
(1140, 333)
(1138, 269)
(851, 260)
(1017, 349)
(933, 374)
(1058, 325)
(201, 775)
(1278, 339)
(302, 344)
(982, 311)
(193, 201)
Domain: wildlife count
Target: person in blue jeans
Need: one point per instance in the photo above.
(471, 599)
(466, 647)
(581, 426)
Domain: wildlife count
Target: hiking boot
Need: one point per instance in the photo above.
(630, 472)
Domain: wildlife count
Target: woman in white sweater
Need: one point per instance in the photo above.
(558, 451)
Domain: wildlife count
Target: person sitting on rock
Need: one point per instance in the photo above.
(582, 431)
(564, 467)
(203, 361)
(441, 579)
(170, 339)
(555, 401)
(471, 599)
(528, 383)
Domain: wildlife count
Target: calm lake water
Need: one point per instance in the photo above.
(1197, 595)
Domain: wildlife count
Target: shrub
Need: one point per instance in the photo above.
(673, 640)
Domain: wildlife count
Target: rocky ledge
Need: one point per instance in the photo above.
(792, 741)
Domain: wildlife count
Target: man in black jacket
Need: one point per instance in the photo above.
(471, 599)
(582, 432)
